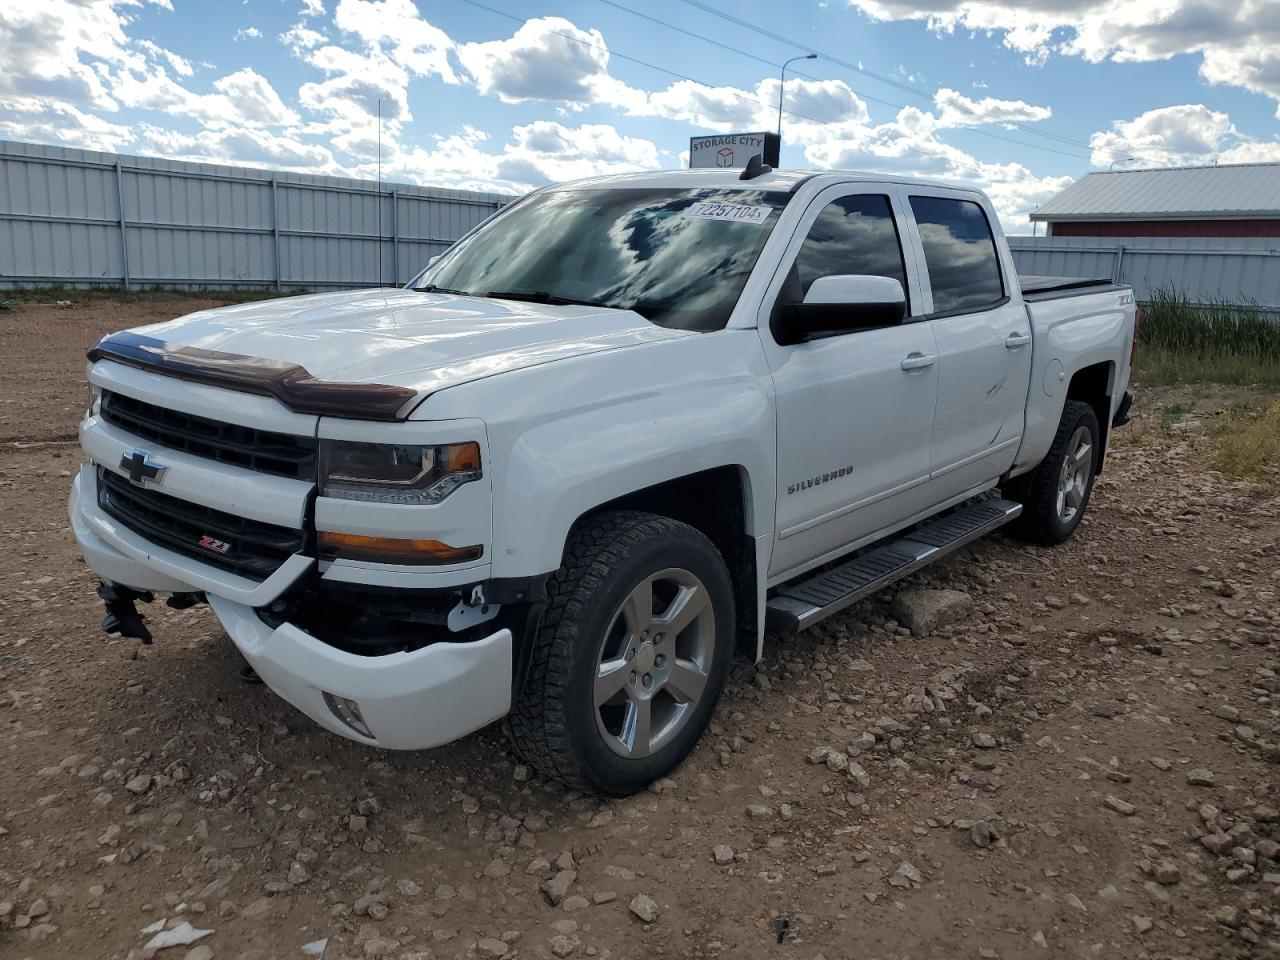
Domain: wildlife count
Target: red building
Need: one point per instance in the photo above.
(1232, 200)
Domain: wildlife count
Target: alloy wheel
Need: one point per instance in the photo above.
(654, 663)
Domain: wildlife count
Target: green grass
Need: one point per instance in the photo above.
(1172, 414)
(1219, 342)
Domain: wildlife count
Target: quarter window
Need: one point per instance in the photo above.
(959, 253)
(852, 235)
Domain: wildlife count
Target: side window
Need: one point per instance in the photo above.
(851, 235)
(959, 253)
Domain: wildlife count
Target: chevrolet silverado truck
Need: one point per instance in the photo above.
(596, 449)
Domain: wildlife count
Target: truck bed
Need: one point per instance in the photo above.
(1055, 288)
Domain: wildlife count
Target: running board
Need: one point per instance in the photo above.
(802, 603)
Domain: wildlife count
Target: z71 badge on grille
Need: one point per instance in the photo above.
(217, 546)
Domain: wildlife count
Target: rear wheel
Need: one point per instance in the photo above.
(631, 656)
(1055, 494)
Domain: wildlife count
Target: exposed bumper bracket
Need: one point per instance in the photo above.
(122, 616)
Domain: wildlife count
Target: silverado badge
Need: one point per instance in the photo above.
(820, 478)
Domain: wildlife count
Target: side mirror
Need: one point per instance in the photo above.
(842, 303)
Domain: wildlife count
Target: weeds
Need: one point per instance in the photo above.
(1221, 342)
(1249, 446)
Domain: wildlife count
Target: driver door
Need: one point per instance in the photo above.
(855, 411)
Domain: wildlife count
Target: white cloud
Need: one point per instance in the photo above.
(243, 98)
(248, 33)
(537, 153)
(957, 110)
(392, 45)
(808, 102)
(233, 145)
(909, 145)
(394, 28)
(1184, 134)
(180, 65)
(60, 123)
(1238, 42)
(712, 108)
(548, 58)
(54, 48)
(1252, 151)
(300, 38)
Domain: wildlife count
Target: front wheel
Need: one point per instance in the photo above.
(1055, 494)
(631, 655)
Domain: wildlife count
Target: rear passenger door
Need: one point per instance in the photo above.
(984, 342)
(853, 422)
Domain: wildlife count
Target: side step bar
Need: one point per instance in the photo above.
(802, 603)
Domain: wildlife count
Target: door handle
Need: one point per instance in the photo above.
(1015, 340)
(918, 361)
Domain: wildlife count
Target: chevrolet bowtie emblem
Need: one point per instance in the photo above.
(141, 470)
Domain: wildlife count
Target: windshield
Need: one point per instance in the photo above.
(679, 258)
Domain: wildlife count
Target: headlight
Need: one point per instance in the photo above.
(95, 401)
(396, 473)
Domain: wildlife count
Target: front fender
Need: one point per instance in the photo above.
(568, 437)
(566, 468)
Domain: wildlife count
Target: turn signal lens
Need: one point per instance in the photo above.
(351, 546)
(460, 457)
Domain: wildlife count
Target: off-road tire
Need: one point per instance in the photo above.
(553, 722)
(1037, 490)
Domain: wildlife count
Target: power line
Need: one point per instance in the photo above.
(743, 94)
(891, 81)
(1037, 131)
(637, 60)
(861, 94)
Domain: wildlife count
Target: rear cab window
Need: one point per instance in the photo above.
(959, 254)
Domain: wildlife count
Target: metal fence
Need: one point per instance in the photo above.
(1203, 269)
(80, 218)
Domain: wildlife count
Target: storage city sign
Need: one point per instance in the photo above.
(733, 149)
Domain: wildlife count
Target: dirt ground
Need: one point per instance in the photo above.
(1086, 765)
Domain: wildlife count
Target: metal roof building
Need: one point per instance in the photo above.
(1232, 200)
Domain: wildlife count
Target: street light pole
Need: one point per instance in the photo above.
(1112, 168)
(782, 81)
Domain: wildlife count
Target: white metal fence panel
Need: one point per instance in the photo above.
(1203, 269)
(83, 218)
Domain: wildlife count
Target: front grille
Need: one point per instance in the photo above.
(254, 549)
(281, 454)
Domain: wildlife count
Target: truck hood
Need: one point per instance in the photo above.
(423, 341)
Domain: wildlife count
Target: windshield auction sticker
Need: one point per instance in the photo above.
(735, 212)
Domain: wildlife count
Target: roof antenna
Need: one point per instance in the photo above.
(756, 167)
(379, 191)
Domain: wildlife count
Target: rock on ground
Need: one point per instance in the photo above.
(923, 611)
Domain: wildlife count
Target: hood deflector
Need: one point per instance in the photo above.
(289, 383)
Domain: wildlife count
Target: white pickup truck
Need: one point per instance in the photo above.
(594, 449)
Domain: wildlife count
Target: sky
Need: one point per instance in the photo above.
(1019, 98)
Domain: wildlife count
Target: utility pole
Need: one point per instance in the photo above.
(782, 82)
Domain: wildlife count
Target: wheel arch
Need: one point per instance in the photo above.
(717, 502)
(1095, 385)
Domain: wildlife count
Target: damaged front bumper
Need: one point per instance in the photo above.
(406, 700)
(419, 685)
